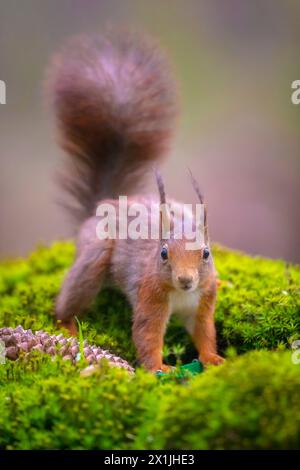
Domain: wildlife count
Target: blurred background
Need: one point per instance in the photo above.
(234, 60)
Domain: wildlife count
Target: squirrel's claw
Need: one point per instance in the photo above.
(212, 358)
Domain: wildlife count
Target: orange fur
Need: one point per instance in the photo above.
(149, 324)
(204, 335)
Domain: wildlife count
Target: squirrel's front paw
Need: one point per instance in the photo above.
(164, 368)
(212, 358)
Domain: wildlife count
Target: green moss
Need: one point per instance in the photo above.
(258, 303)
(48, 404)
(250, 402)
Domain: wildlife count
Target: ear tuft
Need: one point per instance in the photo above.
(161, 186)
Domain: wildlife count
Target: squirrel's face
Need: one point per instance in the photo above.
(184, 268)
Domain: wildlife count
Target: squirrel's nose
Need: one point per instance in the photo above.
(185, 281)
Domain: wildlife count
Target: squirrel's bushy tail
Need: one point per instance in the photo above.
(114, 102)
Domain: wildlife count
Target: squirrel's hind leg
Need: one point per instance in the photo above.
(83, 282)
(69, 325)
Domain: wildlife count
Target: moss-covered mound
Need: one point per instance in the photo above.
(249, 402)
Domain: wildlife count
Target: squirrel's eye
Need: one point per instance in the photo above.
(164, 253)
(205, 253)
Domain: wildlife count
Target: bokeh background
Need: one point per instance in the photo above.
(234, 60)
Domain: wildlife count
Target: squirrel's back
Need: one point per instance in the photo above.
(115, 104)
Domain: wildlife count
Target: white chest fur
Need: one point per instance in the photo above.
(185, 304)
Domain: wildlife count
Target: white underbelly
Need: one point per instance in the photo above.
(184, 305)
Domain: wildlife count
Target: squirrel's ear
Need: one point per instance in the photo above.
(164, 214)
(201, 199)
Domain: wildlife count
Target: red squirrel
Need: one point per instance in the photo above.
(115, 105)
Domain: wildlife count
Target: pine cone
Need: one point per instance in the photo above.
(19, 341)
